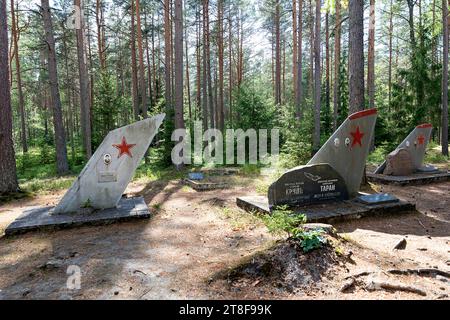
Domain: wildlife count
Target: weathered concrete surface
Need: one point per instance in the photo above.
(105, 177)
(399, 163)
(329, 212)
(42, 219)
(205, 185)
(416, 144)
(347, 149)
(415, 178)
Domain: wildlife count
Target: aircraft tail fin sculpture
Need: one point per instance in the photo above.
(415, 144)
(347, 149)
(336, 170)
(106, 175)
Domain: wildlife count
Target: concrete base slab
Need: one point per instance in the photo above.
(415, 178)
(330, 211)
(42, 218)
(205, 185)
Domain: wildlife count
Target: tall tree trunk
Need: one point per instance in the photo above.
(317, 80)
(100, 33)
(62, 165)
(311, 45)
(199, 67)
(8, 181)
(445, 27)
(391, 30)
(15, 31)
(356, 55)
(188, 81)
(337, 65)
(205, 68)
(178, 47)
(371, 57)
(299, 96)
(168, 54)
(142, 82)
(208, 65)
(294, 49)
(412, 36)
(327, 63)
(230, 67)
(134, 80)
(277, 54)
(84, 84)
(220, 100)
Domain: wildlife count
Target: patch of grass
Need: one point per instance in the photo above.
(378, 155)
(46, 185)
(239, 219)
(434, 154)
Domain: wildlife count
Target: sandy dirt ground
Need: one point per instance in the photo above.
(194, 235)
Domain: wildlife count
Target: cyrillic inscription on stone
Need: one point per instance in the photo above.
(105, 177)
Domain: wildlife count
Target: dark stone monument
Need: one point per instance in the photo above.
(399, 163)
(306, 185)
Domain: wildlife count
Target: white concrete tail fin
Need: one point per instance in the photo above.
(347, 149)
(416, 144)
(106, 175)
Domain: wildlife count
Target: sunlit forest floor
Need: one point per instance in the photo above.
(195, 235)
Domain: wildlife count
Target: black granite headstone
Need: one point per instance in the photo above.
(307, 185)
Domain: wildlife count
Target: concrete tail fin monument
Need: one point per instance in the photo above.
(333, 175)
(105, 177)
(413, 147)
(335, 171)
(96, 195)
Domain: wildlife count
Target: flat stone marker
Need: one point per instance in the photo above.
(196, 176)
(377, 198)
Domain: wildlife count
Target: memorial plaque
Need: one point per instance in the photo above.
(196, 176)
(104, 177)
(378, 198)
(399, 163)
(306, 185)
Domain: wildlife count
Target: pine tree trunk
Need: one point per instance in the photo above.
(62, 165)
(142, 82)
(220, 100)
(84, 84)
(178, 66)
(445, 27)
(277, 55)
(15, 30)
(371, 57)
(294, 49)
(205, 68)
(327, 63)
(299, 96)
(168, 54)
(356, 55)
(8, 181)
(317, 80)
(337, 65)
(391, 30)
(134, 80)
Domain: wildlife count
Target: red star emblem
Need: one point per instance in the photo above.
(357, 136)
(124, 148)
(421, 139)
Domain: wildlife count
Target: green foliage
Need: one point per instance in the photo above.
(283, 221)
(107, 106)
(295, 138)
(311, 240)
